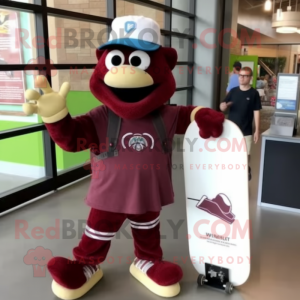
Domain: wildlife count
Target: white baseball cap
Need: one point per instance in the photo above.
(135, 31)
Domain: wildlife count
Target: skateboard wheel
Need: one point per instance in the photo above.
(200, 280)
(229, 288)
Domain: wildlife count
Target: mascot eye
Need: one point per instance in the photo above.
(140, 59)
(114, 58)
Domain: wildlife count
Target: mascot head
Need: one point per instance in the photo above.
(133, 76)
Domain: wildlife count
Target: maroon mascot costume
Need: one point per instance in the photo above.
(133, 79)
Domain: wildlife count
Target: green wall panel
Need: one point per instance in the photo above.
(25, 149)
(81, 102)
(28, 149)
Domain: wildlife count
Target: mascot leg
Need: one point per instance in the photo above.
(73, 279)
(160, 277)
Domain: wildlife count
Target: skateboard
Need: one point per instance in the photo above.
(217, 203)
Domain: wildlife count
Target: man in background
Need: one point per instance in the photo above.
(244, 103)
(234, 78)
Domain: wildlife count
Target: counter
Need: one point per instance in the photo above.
(279, 175)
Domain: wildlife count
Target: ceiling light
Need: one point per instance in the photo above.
(286, 21)
(286, 29)
(279, 14)
(268, 5)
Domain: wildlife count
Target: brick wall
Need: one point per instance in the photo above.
(92, 7)
(125, 8)
(68, 53)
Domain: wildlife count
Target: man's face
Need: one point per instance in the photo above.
(244, 77)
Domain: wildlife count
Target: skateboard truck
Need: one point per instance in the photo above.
(216, 277)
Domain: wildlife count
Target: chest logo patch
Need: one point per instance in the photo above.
(138, 141)
(248, 99)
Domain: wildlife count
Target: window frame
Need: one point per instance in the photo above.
(53, 181)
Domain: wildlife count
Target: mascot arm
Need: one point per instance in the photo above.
(209, 121)
(71, 135)
(74, 134)
(184, 118)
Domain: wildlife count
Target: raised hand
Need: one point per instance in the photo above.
(210, 123)
(51, 106)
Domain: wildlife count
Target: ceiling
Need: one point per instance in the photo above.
(251, 4)
(251, 15)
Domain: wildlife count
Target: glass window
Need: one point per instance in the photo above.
(182, 47)
(75, 41)
(161, 1)
(12, 96)
(181, 75)
(79, 80)
(163, 40)
(69, 160)
(18, 41)
(97, 8)
(18, 45)
(125, 8)
(25, 1)
(71, 42)
(181, 24)
(179, 98)
(21, 160)
(182, 5)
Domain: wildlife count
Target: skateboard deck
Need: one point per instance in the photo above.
(217, 202)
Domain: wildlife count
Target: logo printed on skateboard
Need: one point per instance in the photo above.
(219, 207)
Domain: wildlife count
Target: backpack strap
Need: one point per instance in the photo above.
(113, 130)
(159, 125)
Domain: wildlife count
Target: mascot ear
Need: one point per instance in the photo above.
(99, 53)
(170, 56)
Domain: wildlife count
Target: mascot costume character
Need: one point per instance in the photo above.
(133, 79)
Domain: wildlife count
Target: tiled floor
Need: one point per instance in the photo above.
(275, 248)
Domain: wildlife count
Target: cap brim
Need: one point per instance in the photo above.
(133, 43)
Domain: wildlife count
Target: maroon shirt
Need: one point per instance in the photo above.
(140, 178)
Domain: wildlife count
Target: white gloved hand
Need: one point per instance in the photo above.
(51, 106)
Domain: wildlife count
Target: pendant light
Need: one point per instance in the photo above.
(286, 21)
(268, 5)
